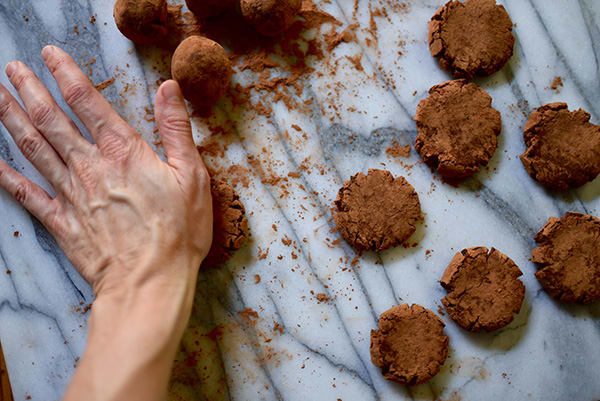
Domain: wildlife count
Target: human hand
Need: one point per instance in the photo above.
(122, 215)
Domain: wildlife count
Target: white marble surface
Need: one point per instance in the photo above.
(550, 352)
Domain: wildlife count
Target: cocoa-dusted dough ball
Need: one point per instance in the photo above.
(202, 69)
(208, 8)
(270, 17)
(230, 225)
(142, 21)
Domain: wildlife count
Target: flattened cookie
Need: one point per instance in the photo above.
(410, 346)
(483, 289)
(563, 147)
(472, 38)
(569, 257)
(457, 129)
(230, 226)
(376, 211)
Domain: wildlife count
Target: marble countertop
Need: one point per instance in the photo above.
(299, 346)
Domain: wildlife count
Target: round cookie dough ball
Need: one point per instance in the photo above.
(376, 211)
(569, 258)
(230, 226)
(473, 38)
(202, 69)
(142, 21)
(457, 129)
(208, 8)
(483, 289)
(563, 147)
(410, 346)
(270, 17)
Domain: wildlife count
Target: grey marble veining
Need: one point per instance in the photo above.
(550, 352)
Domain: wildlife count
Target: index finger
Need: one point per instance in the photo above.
(88, 104)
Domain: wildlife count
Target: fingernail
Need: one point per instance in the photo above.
(171, 92)
(10, 68)
(47, 52)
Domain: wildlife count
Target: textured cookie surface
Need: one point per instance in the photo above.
(457, 129)
(483, 289)
(410, 346)
(473, 38)
(376, 211)
(230, 226)
(569, 256)
(563, 147)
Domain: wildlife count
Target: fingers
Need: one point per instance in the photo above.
(44, 113)
(174, 125)
(32, 144)
(79, 93)
(28, 194)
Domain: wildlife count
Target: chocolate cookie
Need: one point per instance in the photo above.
(410, 346)
(473, 38)
(457, 129)
(483, 289)
(230, 226)
(376, 211)
(569, 257)
(563, 147)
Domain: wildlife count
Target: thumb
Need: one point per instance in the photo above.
(174, 125)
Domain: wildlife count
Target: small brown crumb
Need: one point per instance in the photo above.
(16, 234)
(102, 85)
(321, 297)
(256, 278)
(556, 83)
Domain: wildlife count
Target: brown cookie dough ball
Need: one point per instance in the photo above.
(230, 226)
(142, 21)
(483, 289)
(202, 69)
(410, 346)
(376, 211)
(457, 129)
(208, 8)
(270, 17)
(569, 256)
(563, 147)
(473, 38)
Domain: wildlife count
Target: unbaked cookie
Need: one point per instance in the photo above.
(457, 129)
(569, 257)
(473, 38)
(376, 211)
(230, 226)
(483, 289)
(563, 147)
(410, 346)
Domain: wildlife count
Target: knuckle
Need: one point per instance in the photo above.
(77, 93)
(21, 193)
(30, 145)
(42, 114)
